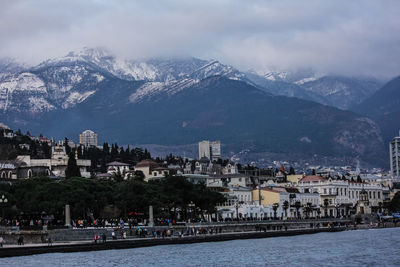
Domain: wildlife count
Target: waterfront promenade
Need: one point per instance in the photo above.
(79, 246)
(228, 231)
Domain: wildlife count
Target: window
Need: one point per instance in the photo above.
(379, 195)
(374, 194)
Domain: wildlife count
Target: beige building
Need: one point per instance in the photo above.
(294, 178)
(151, 170)
(88, 138)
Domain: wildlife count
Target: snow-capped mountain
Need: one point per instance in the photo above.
(48, 86)
(185, 99)
(9, 66)
(69, 80)
(337, 91)
(341, 92)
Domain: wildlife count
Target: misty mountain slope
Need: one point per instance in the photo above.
(384, 107)
(341, 92)
(336, 91)
(280, 87)
(232, 111)
(179, 102)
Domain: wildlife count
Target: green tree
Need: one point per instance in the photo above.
(394, 205)
(275, 207)
(297, 206)
(285, 206)
(72, 167)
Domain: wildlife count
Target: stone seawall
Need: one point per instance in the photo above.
(85, 234)
(145, 242)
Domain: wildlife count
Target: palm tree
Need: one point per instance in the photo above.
(319, 212)
(308, 209)
(285, 206)
(275, 207)
(297, 206)
(326, 204)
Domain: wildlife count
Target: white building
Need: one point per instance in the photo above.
(210, 150)
(88, 138)
(58, 162)
(337, 197)
(116, 167)
(394, 152)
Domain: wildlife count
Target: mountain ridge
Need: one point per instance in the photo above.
(181, 105)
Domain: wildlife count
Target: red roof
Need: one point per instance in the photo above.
(312, 178)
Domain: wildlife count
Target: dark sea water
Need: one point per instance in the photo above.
(375, 247)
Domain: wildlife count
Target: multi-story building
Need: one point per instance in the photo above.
(394, 152)
(58, 163)
(338, 197)
(151, 170)
(210, 150)
(88, 138)
(290, 202)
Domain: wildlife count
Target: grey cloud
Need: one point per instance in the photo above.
(339, 37)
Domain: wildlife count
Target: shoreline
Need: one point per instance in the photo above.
(85, 246)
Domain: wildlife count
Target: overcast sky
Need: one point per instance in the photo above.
(336, 37)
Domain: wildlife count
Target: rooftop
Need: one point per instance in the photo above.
(312, 178)
(117, 163)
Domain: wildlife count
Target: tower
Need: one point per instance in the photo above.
(394, 152)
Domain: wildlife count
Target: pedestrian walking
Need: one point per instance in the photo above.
(104, 237)
(1, 241)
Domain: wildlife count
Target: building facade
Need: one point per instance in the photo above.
(394, 152)
(58, 162)
(210, 150)
(151, 170)
(339, 197)
(88, 138)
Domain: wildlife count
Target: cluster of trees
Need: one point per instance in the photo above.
(10, 147)
(100, 157)
(394, 205)
(94, 199)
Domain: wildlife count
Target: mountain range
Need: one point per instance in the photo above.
(384, 108)
(181, 101)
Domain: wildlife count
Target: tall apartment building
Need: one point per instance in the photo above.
(394, 150)
(210, 149)
(88, 138)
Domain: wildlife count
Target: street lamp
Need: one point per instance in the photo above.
(337, 206)
(237, 209)
(3, 202)
(191, 207)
